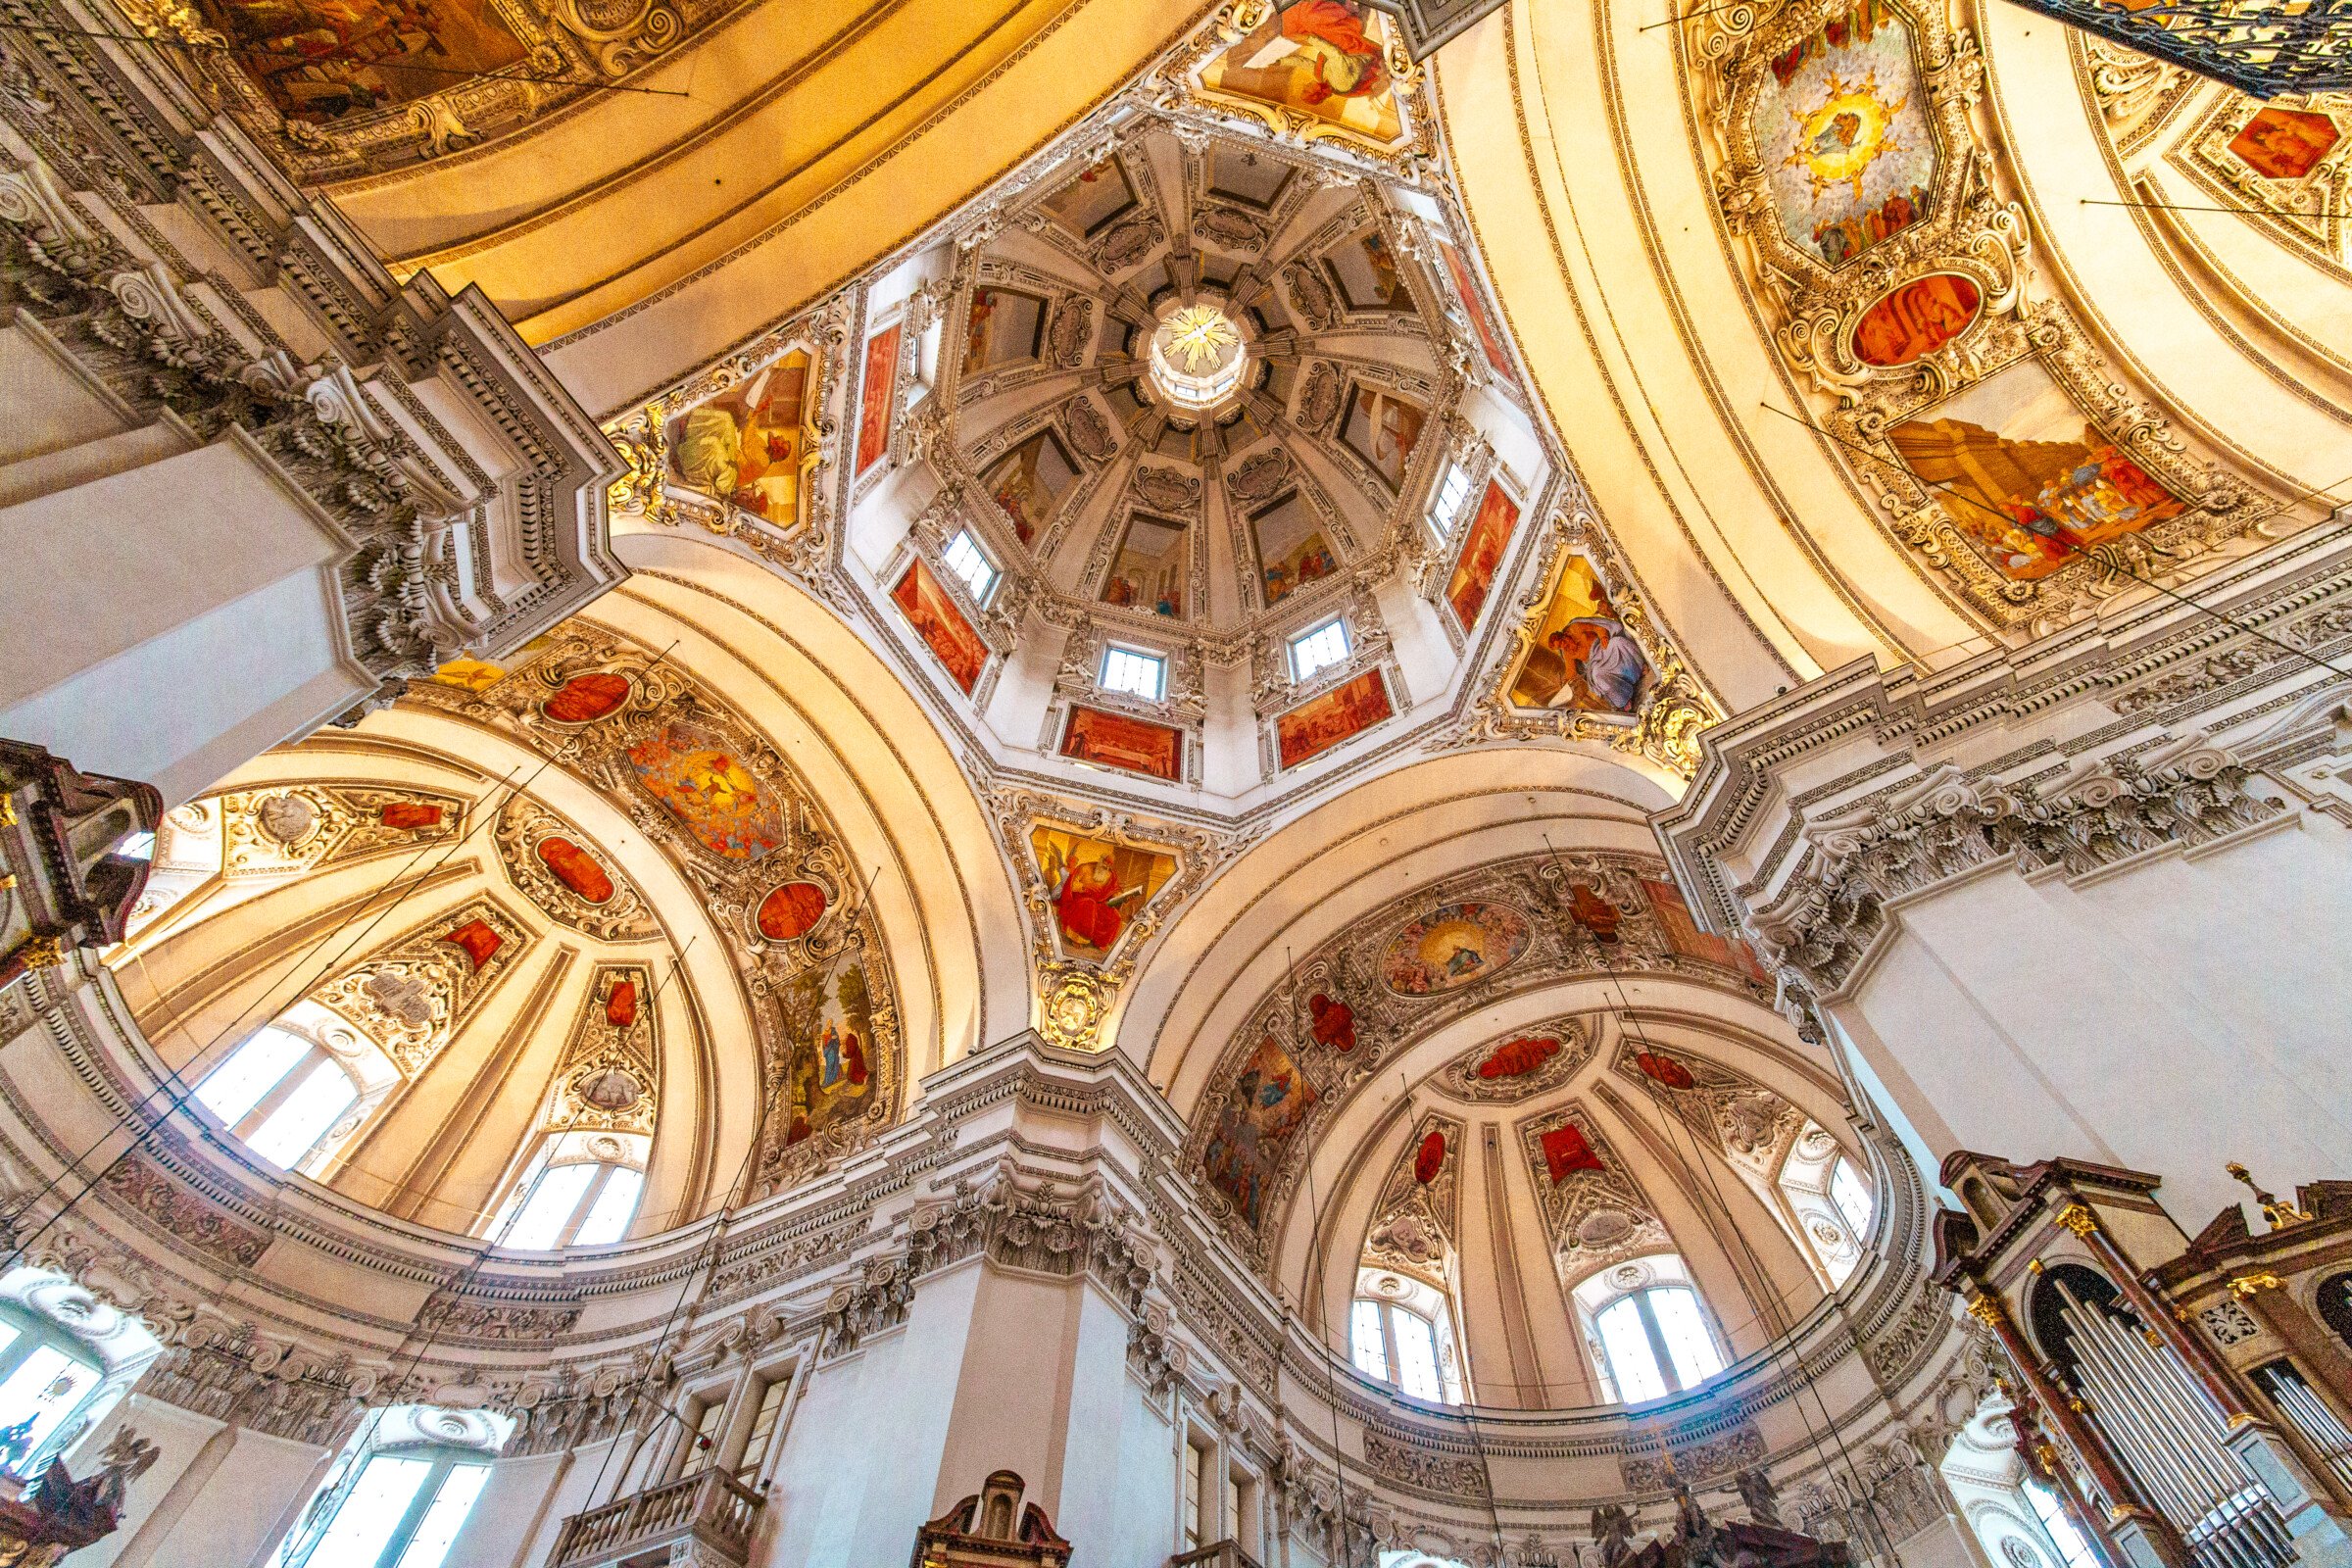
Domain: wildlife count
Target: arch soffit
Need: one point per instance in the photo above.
(1347, 856)
(1351, 1151)
(643, 250)
(950, 919)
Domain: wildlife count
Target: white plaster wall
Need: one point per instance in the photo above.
(2170, 1015)
(169, 621)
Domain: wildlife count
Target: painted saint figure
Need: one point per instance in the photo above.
(1607, 662)
(1331, 38)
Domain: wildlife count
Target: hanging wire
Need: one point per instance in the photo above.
(2107, 562)
(151, 1124)
(1780, 1343)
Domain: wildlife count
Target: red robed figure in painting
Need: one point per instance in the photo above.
(1346, 59)
(1088, 901)
(1430, 1160)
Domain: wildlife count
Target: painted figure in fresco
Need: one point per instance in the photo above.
(1017, 498)
(1089, 900)
(1838, 134)
(1606, 660)
(1331, 38)
(323, 59)
(828, 1051)
(1264, 1107)
(2284, 143)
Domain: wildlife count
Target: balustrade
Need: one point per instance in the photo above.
(712, 1508)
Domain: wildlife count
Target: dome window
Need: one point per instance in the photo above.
(1318, 648)
(966, 559)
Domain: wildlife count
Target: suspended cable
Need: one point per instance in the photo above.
(1780, 1343)
(2105, 563)
(139, 1108)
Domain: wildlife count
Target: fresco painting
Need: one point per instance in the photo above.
(828, 1075)
(1664, 1069)
(692, 769)
(1327, 59)
(1004, 328)
(1116, 740)
(1916, 320)
(2284, 143)
(1292, 551)
(1581, 658)
(877, 399)
(1365, 269)
(1452, 945)
(575, 868)
(1029, 482)
(745, 445)
(585, 699)
(1841, 128)
(1490, 336)
(1682, 934)
(1096, 887)
(1263, 1110)
(2025, 477)
(409, 815)
(1149, 570)
(1383, 430)
(1334, 1022)
(790, 911)
(1516, 1058)
(478, 941)
(1482, 556)
(1430, 1158)
(320, 60)
(1322, 722)
(941, 625)
(1566, 1150)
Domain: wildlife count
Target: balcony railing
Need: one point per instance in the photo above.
(1221, 1554)
(712, 1508)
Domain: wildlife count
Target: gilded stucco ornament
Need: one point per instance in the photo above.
(631, 724)
(1901, 314)
(1674, 708)
(520, 60)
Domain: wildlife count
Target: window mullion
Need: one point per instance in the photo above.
(402, 1533)
(1668, 1373)
(1388, 1338)
(278, 1093)
(586, 1205)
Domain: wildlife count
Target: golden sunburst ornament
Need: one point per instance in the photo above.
(1198, 358)
(1198, 337)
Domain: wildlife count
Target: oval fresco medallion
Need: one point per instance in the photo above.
(576, 869)
(1452, 945)
(791, 910)
(1915, 319)
(584, 699)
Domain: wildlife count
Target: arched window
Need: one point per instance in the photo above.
(399, 1491)
(1828, 1201)
(1401, 1332)
(1648, 1331)
(297, 1089)
(65, 1357)
(578, 1189)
